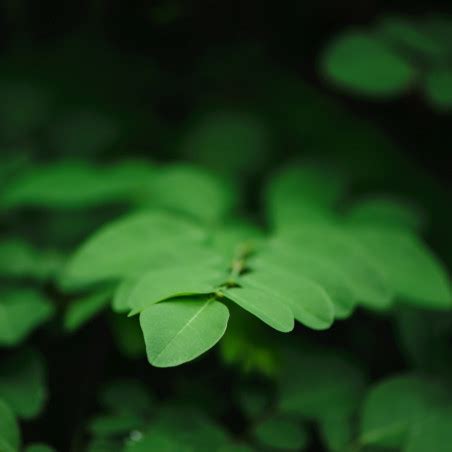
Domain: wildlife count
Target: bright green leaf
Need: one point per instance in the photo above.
(438, 88)
(180, 330)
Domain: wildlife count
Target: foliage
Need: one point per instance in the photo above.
(212, 262)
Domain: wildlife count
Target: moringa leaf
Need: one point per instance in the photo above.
(308, 302)
(365, 64)
(160, 284)
(21, 312)
(339, 248)
(178, 331)
(132, 245)
(408, 266)
(265, 305)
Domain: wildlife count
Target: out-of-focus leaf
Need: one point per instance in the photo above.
(82, 310)
(302, 195)
(279, 432)
(115, 424)
(21, 312)
(9, 429)
(396, 406)
(438, 88)
(22, 383)
(408, 266)
(132, 245)
(39, 447)
(385, 212)
(193, 191)
(365, 64)
(128, 336)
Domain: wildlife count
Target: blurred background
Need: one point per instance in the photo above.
(237, 87)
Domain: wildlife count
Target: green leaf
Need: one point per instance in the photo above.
(264, 304)
(299, 195)
(434, 433)
(82, 310)
(320, 384)
(79, 185)
(438, 88)
(281, 433)
(180, 330)
(309, 303)
(383, 211)
(365, 64)
(339, 249)
(241, 136)
(160, 284)
(9, 429)
(191, 190)
(22, 383)
(21, 312)
(336, 433)
(408, 266)
(300, 262)
(395, 406)
(132, 245)
(19, 260)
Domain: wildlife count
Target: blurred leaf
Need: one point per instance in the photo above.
(126, 396)
(320, 384)
(70, 183)
(365, 64)
(231, 143)
(179, 331)
(396, 406)
(281, 433)
(385, 211)
(336, 433)
(438, 88)
(9, 429)
(408, 266)
(83, 309)
(131, 245)
(299, 195)
(22, 383)
(191, 190)
(433, 433)
(339, 249)
(21, 312)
